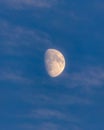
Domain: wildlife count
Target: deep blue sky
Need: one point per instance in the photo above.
(29, 98)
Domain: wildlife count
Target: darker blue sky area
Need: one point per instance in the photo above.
(29, 98)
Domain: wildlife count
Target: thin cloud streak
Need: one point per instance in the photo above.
(49, 115)
(47, 125)
(87, 77)
(92, 77)
(43, 126)
(22, 4)
(21, 41)
(15, 77)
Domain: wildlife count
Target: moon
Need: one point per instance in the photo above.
(54, 62)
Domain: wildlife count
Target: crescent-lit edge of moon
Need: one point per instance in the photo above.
(54, 62)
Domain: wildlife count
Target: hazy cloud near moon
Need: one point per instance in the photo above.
(17, 36)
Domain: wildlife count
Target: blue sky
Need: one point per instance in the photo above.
(29, 98)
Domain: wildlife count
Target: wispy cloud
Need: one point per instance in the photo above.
(43, 126)
(50, 119)
(17, 40)
(20, 42)
(82, 85)
(60, 99)
(20, 4)
(87, 77)
(46, 114)
(99, 6)
(14, 77)
(50, 126)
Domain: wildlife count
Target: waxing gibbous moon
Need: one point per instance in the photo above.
(54, 62)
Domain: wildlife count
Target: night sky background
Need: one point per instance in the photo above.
(29, 98)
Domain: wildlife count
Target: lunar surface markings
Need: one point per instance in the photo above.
(54, 62)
